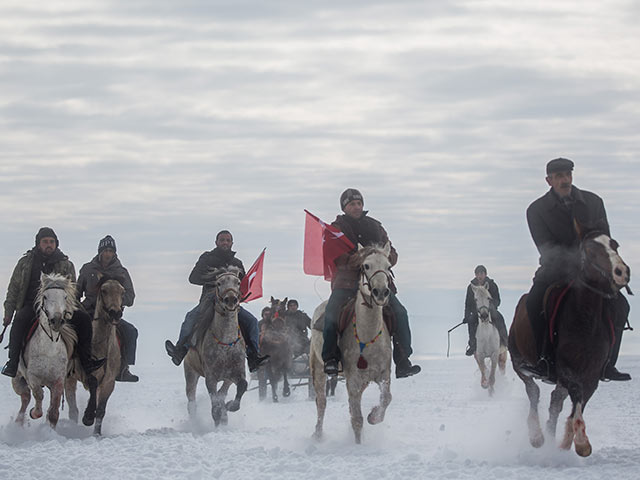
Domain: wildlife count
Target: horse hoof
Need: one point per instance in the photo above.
(275, 399)
(286, 393)
(583, 450)
(232, 406)
(34, 414)
(537, 442)
(375, 416)
(88, 418)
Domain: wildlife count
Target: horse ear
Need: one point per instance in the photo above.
(272, 299)
(360, 247)
(386, 249)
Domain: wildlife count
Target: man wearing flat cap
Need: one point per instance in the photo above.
(551, 223)
(361, 229)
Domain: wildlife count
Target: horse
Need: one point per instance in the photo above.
(365, 344)
(583, 339)
(219, 354)
(275, 342)
(487, 339)
(45, 357)
(104, 344)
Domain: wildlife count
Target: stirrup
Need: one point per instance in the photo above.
(331, 367)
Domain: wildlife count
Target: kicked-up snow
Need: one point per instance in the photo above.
(440, 425)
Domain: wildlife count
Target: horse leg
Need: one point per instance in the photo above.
(355, 409)
(217, 403)
(481, 365)
(70, 386)
(262, 384)
(191, 381)
(53, 414)
(377, 412)
(502, 360)
(536, 438)
(581, 441)
(273, 380)
(90, 411)
(241, 388)
(104, 392)
(319, 378)
(558, 396)
(21, 388)
(286, 391)
(492, 373)
(38, 395)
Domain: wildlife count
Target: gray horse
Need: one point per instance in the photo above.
(365, 344)
(219, 352)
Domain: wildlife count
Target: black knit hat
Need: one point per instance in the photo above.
(107, 242)
(349, 195)
(559, 165)
(46, 232)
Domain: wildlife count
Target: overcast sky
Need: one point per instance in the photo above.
(163, 122)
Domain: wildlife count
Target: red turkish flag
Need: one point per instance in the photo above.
(323, 243)
(251, 284)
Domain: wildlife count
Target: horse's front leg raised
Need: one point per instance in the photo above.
(355, 391)
(377, 413)
(241, 388)
(576, 432)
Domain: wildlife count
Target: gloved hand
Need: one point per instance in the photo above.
(7, 320)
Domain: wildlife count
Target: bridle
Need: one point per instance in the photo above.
(366, 282)
(40, 310)
(586, 264)
(220, 296)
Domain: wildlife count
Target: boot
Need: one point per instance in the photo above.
(126, 375)
(176, 352)
(331, 367)
(611, 373)
(10, 368)
(405, 369)
(471, 349)
(255, 360)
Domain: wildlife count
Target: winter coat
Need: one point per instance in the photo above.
(211, 260)
(551, 223)
(90, 275)
(470, 311)
(297, 321)
(20, 282)
(365, 231)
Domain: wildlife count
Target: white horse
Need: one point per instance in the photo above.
(104, 344)
(45, 358)
(365, 344)
(487, 339)
(219, 354)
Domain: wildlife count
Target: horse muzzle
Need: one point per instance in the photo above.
(230, 302)
(380, 296)
(115, 315)
(56, 322)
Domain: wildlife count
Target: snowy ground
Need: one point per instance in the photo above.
(440, 424)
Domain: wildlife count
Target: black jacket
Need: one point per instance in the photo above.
(89, 277)
(552, 227)
(209, 261)
(470, 311)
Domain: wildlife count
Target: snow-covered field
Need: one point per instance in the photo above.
(440, 424)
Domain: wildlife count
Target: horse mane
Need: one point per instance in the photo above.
(358, 257)
(105, 278)
(55, 280)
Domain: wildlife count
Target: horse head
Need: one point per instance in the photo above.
(375, 272)
(601, 267)
(483, 300)
(56, 299)
(278, 308)
(109, 303)
(227, 288)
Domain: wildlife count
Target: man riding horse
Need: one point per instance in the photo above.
(107, 264)
(551, 220)
(44, 257)
(364, 230)
(298, 324)
(471, 312)
(220, 257)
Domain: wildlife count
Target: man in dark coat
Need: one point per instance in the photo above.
(298, 324)
(551, 223)
(221, 256)
(364, 230)
(45, 257)
(106, 263)
(471, 311)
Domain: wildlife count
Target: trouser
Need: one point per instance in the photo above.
(246, 321)
(498, 321)
(81, 322)
(535, 309)
(129, 339)
(620, 307)
(339, 296)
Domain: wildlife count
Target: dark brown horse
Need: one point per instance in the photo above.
(275, 342)
(583, 339)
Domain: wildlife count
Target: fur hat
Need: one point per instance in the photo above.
(107, 242)
(349, 195)
(46, 232)
(559, 165)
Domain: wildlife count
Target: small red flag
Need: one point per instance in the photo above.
(251, 284)
(323, 243)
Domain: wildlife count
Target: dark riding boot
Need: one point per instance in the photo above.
(610, 371)
(404, 369)
(471, 348)
(81, 323)
(126, 376)
(255, 360)
(176, 352)
(331, 367)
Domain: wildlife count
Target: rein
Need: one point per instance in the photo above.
(603, 274)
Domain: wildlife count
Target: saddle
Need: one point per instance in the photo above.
(347, 313)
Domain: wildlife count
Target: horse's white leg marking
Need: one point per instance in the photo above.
(191, 381)
(377, 412)
(567, 439)
(581, 441)
(536, 438)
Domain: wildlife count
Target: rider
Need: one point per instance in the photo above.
(361, 229)
(107, 263)
(221, 256)
(471, 312)
(298, 324)
(45, 257)
(551, 223)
